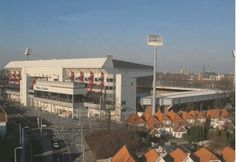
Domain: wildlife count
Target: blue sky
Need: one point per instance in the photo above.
(195, 32)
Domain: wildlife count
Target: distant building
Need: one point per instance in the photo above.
(185, 71)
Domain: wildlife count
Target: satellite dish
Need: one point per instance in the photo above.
(28, 52)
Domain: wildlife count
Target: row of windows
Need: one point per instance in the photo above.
(59, 97)
(98, 79)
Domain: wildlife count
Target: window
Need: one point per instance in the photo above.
(111, 80)
(110, 88)
(123, 103)
(123, 110)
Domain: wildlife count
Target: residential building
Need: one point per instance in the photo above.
(200, 118)
(123, 155)
(175, 119)
(218, 117)
(3, 122)
(154, 133)
(205, 155)
(228, 154)
(166, 121)
(153, 156)
(189, 117)
(178, 131)
(135, 121)
(180, 156)
(63, 86)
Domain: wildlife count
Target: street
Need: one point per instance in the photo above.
(68, 132)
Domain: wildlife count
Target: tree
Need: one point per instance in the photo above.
(218, 140)
(195, 134)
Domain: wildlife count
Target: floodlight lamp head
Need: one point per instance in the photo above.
(28, 51)
(155, 40)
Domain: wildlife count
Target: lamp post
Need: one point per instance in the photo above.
(20, 134)
(154, 41)
(82, 149)
(28, 52)
(15, 152)
(23, 142)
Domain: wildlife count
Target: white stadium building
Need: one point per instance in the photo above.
(63, 86)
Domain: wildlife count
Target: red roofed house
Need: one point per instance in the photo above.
(180, 156)
(166, 129)
(228, 154)
(205, 155)
(214, 115)
(179, 131)
(200, 118)
(153, 122)
(175, 119)
(189, 117)
(224, 117)
(3, 121)
(123, 155)
(135, 120)
(218, 117)
(154, 132)
(153, 156)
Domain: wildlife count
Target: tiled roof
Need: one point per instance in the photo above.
(193, 113)
(178, 155)
(146, 116)
(205, 155)
(152, 121)
(213, 113)
(159, 116)
(200, 115)
(151, 156)
(123, 155)
(175, 118)
(134, 119)
(224, 113)
(228, 154)
(187, 115)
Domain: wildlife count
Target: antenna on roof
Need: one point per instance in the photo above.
(28, 52)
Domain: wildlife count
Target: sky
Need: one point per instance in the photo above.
(195, 32)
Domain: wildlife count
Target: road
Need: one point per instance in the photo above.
(66, 130)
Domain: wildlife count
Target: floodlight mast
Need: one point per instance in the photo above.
(28, 52)
(154, 41)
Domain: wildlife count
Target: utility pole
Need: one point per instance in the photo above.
(20, 134)
(81, 135)
(109, 119)
(90, 124)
